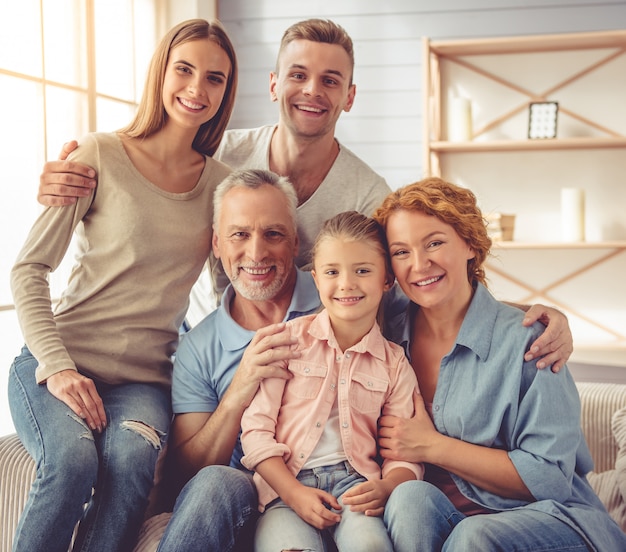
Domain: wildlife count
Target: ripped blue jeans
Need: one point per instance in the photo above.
(100, 479)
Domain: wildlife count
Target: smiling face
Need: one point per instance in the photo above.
(195, 82)
(312, 87)
(256, 246)
(351, 277)
(429, 260)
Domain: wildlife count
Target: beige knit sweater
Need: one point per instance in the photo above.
(140, 249)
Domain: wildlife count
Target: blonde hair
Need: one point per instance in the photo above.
(151, 115)
(319, 30)
(452, 205)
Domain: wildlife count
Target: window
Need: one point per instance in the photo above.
(67, 67)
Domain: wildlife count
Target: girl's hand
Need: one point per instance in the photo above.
(369, 497)
(79, 393)
(312, 506)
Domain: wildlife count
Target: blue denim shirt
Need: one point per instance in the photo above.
(488, 395)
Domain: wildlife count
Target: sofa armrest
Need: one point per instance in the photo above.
(17, 471)
(599, 401)
(151, 532)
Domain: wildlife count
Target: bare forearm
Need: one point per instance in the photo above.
(211, 444)
(397, 476)
(277, 475)
(488, 468)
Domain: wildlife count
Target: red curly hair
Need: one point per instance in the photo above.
(452, 205)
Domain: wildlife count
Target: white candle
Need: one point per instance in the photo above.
(459, 120)
(573, 214)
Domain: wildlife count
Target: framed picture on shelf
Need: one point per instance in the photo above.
(542, 119)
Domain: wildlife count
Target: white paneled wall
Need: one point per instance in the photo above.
(385, 124)
(384, 127)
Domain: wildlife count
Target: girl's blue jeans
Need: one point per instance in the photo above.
(280, 528)
(100, 479)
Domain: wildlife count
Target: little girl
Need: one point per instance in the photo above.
(312, 439)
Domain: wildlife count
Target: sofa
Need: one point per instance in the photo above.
(603, 423)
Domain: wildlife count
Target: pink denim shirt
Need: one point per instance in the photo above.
(286, 418)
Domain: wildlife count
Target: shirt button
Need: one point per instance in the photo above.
(437, 407)
(347, 355)
(370, 384)
(337, 358)
(343, 382)
(318, 424)
(307, 370)
(344, 424)
(301, 455)
(332, 386)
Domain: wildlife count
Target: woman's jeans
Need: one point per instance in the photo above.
(280, 528)
(100, 479)
(420, 517)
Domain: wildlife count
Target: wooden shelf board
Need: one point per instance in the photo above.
(529, 145)
(559, 245)
(530, 43)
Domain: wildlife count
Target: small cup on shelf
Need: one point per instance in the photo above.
(500, 227)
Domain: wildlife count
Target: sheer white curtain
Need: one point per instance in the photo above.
(67, 67)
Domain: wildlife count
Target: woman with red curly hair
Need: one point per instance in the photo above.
(504, 452)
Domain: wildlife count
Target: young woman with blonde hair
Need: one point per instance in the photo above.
(90, 391)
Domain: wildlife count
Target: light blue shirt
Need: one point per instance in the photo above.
(209, 354)
(488, 395)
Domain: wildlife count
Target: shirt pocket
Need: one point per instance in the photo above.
(307, 381)
(367, 392)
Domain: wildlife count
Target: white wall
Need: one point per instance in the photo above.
(384, 127)
(180, 10)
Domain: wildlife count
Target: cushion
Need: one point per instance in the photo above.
(618, 425)
(610, 485)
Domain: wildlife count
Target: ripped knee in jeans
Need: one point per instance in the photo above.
(150, 434)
